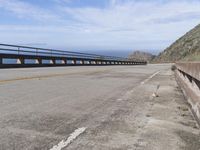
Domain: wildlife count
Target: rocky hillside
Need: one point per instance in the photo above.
(139, 55)
(186, 48)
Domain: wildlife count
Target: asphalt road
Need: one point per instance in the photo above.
(104, 107)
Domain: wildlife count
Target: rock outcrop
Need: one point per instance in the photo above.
(139, 55)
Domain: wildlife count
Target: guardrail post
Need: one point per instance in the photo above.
(36, 52)
(20, 61)
(38, 61)
(53, 61)
(82, 62)
(18, 51)
(64, 61)
(1, 60)
(51, 53)
(74, 62)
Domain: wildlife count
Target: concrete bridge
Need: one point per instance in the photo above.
(93, 108)
(120, 104)
(39, 57)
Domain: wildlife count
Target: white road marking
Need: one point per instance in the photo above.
(153, 75)
(72, 137)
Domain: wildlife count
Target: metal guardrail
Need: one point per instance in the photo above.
(188, 77)
(20, 50)
(8, 51)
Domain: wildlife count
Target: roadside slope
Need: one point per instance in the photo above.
(185, 48)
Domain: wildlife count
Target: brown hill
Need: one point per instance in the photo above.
(186, 48)
(139, 55)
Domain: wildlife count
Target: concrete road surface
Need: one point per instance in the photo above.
(100, 108)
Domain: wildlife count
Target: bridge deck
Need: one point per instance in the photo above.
(113, 107)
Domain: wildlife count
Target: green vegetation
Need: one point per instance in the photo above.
(193, 57)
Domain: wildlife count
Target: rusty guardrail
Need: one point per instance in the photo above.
(188, 77)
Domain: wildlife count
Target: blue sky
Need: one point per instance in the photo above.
(97, 24)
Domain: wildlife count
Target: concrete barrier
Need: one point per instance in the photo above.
(188, 77)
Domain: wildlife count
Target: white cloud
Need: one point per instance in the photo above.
(153, 24)
(62, 1)
(135, 14)
(26, 10)
(121, 25)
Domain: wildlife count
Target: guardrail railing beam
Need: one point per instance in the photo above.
(22, 53)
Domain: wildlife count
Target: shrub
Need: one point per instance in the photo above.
(173, 67)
